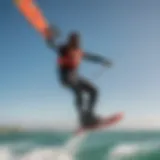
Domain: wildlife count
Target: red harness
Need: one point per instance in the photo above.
(71, 59)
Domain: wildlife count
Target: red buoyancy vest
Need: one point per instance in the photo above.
(71, 59)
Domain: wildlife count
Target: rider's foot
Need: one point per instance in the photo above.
(89, 119)
(95, 119)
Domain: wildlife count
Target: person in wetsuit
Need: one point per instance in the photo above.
(70, 56)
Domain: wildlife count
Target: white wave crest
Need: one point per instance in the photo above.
(5, 154)
(66, 152)
(48, 154)
(122, 151)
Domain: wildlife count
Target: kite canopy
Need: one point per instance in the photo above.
(33, 14)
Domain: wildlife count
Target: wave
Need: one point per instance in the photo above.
(38, 154)
(5, 154)
(78, 147)
(65, 152)
(133, 150)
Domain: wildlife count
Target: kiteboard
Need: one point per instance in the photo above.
(104, 123)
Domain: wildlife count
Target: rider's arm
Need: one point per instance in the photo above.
(96, 58)
(51, 38)
(52, 43)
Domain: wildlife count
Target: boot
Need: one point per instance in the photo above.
(89, 119)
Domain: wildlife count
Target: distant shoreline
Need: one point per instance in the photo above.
(18, 129)
(10, 129)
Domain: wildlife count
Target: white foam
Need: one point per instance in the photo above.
(48, 154)
(122, 151)
(73, 144)
(66, 152)
(5, 154)
(132, 149)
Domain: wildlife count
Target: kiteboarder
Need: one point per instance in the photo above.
(70, 56)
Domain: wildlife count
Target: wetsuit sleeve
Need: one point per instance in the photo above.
(96, 58)
(52, 44)
(51, 38)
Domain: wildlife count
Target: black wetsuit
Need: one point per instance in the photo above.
(79, 85)
(69, 77)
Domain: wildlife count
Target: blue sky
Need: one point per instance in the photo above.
(126, 31)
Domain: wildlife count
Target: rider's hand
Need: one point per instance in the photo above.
(52, 32)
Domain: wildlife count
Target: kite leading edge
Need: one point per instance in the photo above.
(33, 14)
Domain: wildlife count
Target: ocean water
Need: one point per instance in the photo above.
(106, 145)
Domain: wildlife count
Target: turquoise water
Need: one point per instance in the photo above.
(111, 145)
